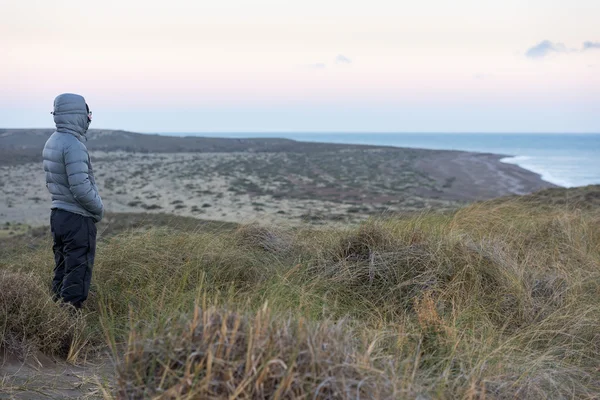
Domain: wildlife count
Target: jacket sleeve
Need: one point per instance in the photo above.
(77, 167)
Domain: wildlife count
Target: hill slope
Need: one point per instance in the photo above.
(500, 299)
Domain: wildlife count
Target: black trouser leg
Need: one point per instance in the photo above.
(77, 235)
(91, 255)
(59, 261)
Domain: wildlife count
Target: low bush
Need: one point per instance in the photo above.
(223, 354)
(30, 321)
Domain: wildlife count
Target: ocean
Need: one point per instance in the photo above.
(563, 159)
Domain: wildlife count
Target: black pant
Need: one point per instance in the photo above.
(74, 250)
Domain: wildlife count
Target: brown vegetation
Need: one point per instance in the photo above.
(496, 300)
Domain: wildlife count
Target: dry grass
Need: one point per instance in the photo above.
(499, 300)
(220, 354)
(30, 321)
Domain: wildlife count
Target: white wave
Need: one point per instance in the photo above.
(548, 174)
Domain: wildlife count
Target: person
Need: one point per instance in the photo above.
(76, 203)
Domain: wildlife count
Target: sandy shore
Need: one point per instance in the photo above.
(273, 187)
(481, 176)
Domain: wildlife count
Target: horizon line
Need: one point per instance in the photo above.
(334, 132)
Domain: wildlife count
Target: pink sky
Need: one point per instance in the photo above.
(430, 66)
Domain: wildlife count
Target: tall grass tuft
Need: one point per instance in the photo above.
(496, 300)
(30, 321)
(213, 353)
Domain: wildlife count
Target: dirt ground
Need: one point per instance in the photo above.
(40, 377)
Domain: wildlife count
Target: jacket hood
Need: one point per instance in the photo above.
(71, 114)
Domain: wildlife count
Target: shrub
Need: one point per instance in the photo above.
(268, 238)
(31, 321)
(223, 354)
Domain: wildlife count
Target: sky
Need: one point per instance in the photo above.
(309, 65)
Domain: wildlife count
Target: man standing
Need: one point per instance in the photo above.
(76, 204)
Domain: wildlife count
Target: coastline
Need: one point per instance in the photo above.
(544, 175)
(483, 176)
(564, 159)
(275, 180)
(160, 183)
(504, 158)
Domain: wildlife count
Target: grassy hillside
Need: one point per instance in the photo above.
(497, 300)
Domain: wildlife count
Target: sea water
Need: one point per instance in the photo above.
(563, 159)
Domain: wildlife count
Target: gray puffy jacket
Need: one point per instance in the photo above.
(69, 173)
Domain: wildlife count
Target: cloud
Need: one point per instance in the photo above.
(341, 59)
(591, 45)
(544, 48)
(482, 76)
(547, 47)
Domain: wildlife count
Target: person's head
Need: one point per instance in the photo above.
(71, 113)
